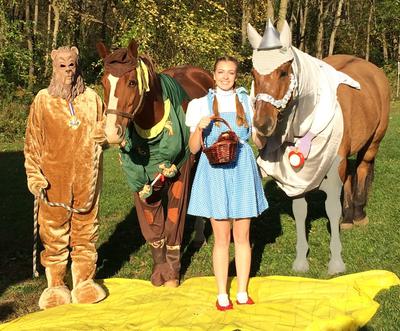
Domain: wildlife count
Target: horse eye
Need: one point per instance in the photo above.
(132, 82)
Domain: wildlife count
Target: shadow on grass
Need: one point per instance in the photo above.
(125, 240)
(16, 221)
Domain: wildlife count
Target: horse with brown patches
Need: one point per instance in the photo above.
(330, 112)
(145, 116)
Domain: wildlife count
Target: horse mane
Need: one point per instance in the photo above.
(154, 80)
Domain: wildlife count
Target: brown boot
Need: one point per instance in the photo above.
(160, 265)
(173, 257)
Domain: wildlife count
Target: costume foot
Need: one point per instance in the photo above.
(248, 302)
(171, 283)
(54, 296)
(88, 292)
(223, 308)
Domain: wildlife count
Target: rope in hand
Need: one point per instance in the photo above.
(86, 208)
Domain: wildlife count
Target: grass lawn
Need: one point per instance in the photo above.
(123, 253)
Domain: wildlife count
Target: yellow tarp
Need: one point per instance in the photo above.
(282, 303)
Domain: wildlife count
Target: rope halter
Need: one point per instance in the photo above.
(282, 103)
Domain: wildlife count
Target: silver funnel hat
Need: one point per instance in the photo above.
(270, 39)
(267, 55)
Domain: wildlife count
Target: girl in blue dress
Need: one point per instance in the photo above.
(229, 194)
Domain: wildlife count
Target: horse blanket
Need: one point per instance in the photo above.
(314, 108)
(164, 145)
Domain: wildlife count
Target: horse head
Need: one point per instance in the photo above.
(274, 80)
(127, 81)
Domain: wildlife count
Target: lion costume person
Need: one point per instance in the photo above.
(63, 137)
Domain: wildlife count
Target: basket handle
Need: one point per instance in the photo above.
(215, 119)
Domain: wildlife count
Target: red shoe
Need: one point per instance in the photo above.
(248, 302)
(223, 308)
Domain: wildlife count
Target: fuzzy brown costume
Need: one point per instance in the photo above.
(59, 157)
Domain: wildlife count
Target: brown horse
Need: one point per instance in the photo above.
(145, 115)
(289, 85)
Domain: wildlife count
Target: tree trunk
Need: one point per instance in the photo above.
(371, 9)
(320, 33)
(335, 27)
(246, 13)
(282, 14)
(29, 37)
(303, 24)
(322, 14)
(56, 24)
(385, 48)
(270, 10)
(46, 57)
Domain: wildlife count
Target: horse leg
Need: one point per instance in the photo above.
(364, 177)
(348, 206)
(299, 207)
(199, 237)
(332, 186)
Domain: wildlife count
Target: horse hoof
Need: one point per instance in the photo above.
(336, 267)
(300, 266)
(171, 283)
(346, 226)
(362, 221)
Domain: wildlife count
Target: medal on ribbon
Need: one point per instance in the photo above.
(73, 121)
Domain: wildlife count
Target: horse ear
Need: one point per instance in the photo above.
(286, 35)
(102, 50)
(133, 48)
(253, 36)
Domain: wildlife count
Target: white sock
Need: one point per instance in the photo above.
(242, 297)
(223, 300)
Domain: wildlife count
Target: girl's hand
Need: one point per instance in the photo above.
(204, 122)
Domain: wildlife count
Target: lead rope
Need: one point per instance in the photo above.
(43, 196)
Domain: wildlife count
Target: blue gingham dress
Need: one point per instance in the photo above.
(232, 190)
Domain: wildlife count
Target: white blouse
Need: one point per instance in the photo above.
(198, 108)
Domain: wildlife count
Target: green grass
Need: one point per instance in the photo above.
(123, 253)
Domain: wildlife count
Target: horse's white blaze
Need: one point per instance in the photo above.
(113, 131)
(113, 100)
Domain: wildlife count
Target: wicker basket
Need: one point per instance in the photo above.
(223, 151)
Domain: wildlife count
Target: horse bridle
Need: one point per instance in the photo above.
(281, 103)
(129, 115)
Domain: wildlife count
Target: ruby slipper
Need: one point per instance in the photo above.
(248, 302)
(223, 308)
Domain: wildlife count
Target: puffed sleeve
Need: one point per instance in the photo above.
(33, 149)
(197, 109)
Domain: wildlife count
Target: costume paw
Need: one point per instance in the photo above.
(88, 292)
(54, 296)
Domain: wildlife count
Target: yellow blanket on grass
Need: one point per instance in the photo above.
(282, 303)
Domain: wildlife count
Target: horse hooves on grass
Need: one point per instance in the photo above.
(300, 266)
(362, 221)
(336, 267)
(346, 226)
